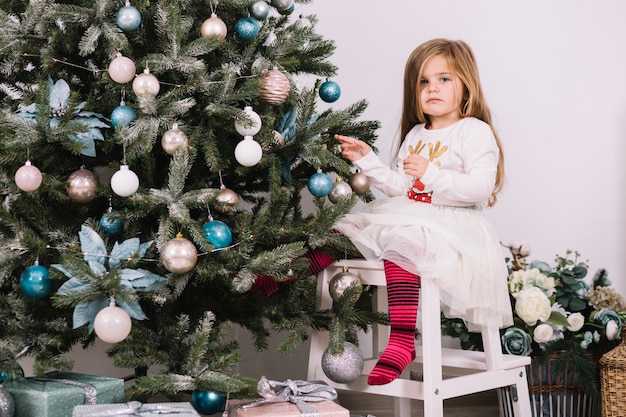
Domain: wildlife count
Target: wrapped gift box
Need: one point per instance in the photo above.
(135, 408)
(285, 409)
(55, 394)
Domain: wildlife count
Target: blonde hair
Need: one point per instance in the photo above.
(462, 63)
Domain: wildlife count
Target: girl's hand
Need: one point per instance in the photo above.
(415, 165)
(352, 149)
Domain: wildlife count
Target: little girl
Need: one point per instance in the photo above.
(449, 166)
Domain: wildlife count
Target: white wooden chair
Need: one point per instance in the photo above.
(447, 373)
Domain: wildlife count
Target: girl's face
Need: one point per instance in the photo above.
(440, 93)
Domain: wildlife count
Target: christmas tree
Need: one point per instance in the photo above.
(156, 162)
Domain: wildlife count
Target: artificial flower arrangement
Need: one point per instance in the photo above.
(557, 314)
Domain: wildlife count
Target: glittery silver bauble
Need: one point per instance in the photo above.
(340, 190)
(81, 186)
(214, 26)
(341, 281)
(226, 200)
(359, 182)
(173, 139)
(7, 404)
(274, 87)
(345, 367)
(179, 255)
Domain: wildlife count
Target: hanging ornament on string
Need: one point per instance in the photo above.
(214, 26)
(320, 184)
(124, 182)
(275, 87)
(329, 91)
(128, 18)
(260, 10)
(207, 402)
(146, 84)
(359, 182)
(226, 199)
(122, 69)
(179, 255)
(282, 4)
(112, 324)
(35, 281)
(289, 10)
(111, 223)
(217, 233)
(341, 189)
(243, 125)
(341, 281)
(248, 152)
(28, 177)
(344, 367)
(174, 139)
(302, 22)
(247, 28)
(123, 115)
(81, 186)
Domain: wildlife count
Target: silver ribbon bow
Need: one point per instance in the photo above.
(297, 392)
(131, 408)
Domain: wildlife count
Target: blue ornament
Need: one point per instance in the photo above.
(128, 18)
(320, 184)
(35, 281)
(260, 10)
(288, 10)
(110, 225)
(330, 91)
(247, 28)
(207, 402)
(122, 116)
(217, 233)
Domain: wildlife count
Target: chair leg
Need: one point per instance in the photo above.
(521, 407)
(402, 407)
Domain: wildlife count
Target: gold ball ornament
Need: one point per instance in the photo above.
(179, 255)
(341, 189)
(214, 26)
(226, 200)
(81, 186)
(341, 281)
(146, 84)
(173, 139)
(359, 182)
(274, 87)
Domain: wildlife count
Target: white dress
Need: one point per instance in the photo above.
(449, 241)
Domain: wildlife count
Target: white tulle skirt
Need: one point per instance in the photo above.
(456, 248)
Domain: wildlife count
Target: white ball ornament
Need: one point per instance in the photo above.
(122, 69)
(248, 152)
(112, 324)
(244, 128)
(124, 182)
(179, 255)
(146, 84)
(341, 189)
(174, 139)
(214, 26)
(28, 177)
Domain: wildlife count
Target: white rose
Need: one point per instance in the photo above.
(611, 330)
(576, 322)
(543, 333)
(532, 305)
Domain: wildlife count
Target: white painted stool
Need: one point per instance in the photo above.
(447, 373)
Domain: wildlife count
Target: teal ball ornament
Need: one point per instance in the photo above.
(260, 10)
(122, 116)
(111, 224)
(247, 28)
(207, 402)
(128, 18)
(217, 233)
(35, 281)
(289, 10)
(320, 184)
(330, 91)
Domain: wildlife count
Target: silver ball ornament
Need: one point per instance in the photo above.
(341, 189)
(341, 281)
(344, 367)
(173, 139)
(260, 10)
(275, 87)
(179, 255)
(359, 182)
(282, 4)
(7, 403)
(81, 186)
(214, 26)
(146, 84)
(227, 200)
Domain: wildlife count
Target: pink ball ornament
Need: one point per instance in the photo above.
(214, 26)
(124, 182)
(28, 177)
(248, 152)
(275, 87)
(146, 84)
(112, 324)
(122, 69)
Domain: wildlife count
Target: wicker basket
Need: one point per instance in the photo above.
(553, 394)
(613, 380)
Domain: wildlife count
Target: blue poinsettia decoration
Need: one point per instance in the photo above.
(287, 129)
(59, 103)
(95, 254)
